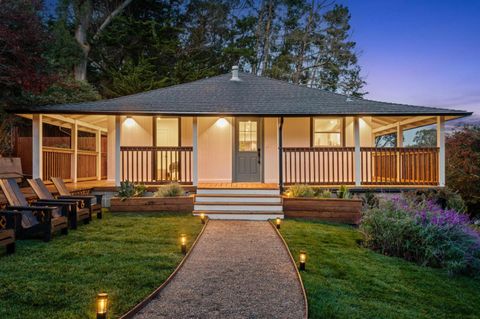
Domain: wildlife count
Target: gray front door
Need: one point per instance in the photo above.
(248, 150)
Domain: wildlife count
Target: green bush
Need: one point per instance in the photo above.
(343, 192)
(325, 193)
(370, 200)
(129, 189)
(300, 191)
(171, 190)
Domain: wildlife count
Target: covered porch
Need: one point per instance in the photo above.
(326, 151)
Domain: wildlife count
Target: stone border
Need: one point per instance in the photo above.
(294, 265)
(132, 312)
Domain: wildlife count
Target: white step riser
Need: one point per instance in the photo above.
(243, 216)
(275, 200)
(217, 191)
(235, 208)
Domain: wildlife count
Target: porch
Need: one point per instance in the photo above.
(234, 151)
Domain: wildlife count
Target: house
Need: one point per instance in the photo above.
(237, 128)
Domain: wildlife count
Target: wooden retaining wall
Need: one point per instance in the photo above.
(331, 209)
(152, 204)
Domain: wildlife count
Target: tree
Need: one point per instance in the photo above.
(425, 138)
(463, 165)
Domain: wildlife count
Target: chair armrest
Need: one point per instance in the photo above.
(87, 200)
(12, 218)
(63, 206)
(32, 208)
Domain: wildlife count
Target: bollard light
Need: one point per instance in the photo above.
(278, 221)
(302, 259)
(202, 218)
(183, 241)
(102, 305)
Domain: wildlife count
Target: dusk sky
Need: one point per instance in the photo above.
(424, 52)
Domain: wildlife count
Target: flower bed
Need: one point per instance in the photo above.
(327, 209)
(152, 204)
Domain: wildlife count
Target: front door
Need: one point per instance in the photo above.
(248, 150)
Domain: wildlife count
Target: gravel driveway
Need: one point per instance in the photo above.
(238, 269)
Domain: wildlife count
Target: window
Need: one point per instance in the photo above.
(168, 131)
(247, 135)
(327, 132)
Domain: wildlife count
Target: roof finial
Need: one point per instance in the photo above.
(235, 73)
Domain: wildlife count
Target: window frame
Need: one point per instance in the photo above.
(341, 131)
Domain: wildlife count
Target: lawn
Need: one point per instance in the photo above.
(344, 280)
(125, 255)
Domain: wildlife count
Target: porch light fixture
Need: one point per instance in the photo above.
(278, 221)
(129, 121)
(221, 122)
(102, 305)
(202, 218)
(183, 241)
(302, 259)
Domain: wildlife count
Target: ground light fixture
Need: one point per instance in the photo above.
(102, 305)
(202, 218)
(183, 241)
(302, 259)
(278, 221)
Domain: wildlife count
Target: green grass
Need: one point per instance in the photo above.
(344, 280)
(125, 255)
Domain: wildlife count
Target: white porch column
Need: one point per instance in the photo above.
(397, 154)
(74, 170)
(98, 145)
(358, 155)
(118, 164)
(195, 152)
(37, 146)
(441, 146)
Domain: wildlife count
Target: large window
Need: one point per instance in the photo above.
(327, 132)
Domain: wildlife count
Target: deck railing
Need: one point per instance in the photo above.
(150, 164)
(379, 166)
(86, 165)
(57, 162)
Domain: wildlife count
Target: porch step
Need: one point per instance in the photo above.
(239, 203)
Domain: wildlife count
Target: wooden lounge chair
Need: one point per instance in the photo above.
(78, 211)
(93, 202)
(7, 233)
(43, 217)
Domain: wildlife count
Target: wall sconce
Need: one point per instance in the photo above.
(302, 259)
(102, 305)
(221, 122)
(129, 121)
(278, 221)
(202, 218)
(183, 241)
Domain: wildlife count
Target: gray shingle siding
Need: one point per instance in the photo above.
(253, 95)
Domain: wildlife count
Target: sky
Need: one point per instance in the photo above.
(424, 52)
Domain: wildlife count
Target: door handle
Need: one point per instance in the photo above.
(259, 155)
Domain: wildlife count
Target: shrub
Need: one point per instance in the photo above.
(300, 191)
(129, 189)
(423, 232)
(343, 192)
(171, 190)
(370, 200)
(325, 193)
(445, 198)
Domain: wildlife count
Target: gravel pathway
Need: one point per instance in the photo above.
(238, 269)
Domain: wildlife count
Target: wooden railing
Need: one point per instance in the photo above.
(400, 166)
(57, 162)
(379, 166)
(86, 165)
(319, 165)
(150, 164)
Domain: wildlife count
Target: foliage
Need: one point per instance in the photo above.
(343, 192)
(444, 197)
(463, 166)
(325, 193)
(129, 189)
(60, 279)
(345, 280)
(171, 190)
(370, 200)
(423, 232)
(425, 138)
(300, 191)
(65, 91)
(7, 125)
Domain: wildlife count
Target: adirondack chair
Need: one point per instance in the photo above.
(43, 217)
(77, 210)
(7, 233)
(93, 202)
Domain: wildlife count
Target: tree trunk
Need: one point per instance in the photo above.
(266, 43)
(80, 70)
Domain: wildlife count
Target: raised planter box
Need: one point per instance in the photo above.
(327, 209)
(152, 204)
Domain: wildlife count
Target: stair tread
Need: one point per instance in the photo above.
(237, 212)
(239, 203)
(238, 195)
